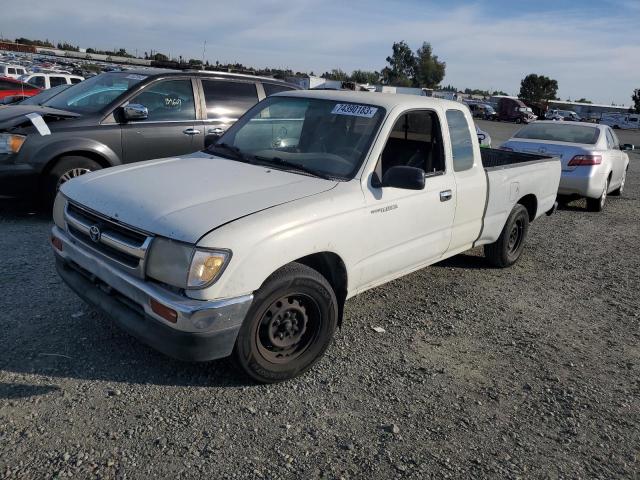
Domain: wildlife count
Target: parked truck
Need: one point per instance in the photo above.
(514, 110)
(251, 247)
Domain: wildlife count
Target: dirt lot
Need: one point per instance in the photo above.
(533, 372)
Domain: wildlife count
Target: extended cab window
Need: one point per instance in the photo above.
(228, 100)
(169, 100)
(461, 144)
(414, 141)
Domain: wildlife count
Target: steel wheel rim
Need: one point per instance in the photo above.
(603, 198)
(515, 236)
(624, 179)
(288, 327)
(70, 174)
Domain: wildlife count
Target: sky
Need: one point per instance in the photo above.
(591, 47)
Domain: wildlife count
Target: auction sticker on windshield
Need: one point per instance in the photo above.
(354, 110)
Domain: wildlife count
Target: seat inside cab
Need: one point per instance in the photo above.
(415, 141)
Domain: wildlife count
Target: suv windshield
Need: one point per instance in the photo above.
(94, 94)
(559, 132)
(327, 138)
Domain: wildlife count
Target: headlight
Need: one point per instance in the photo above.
(58, 210)
(206, 267)
(11, 143)
(183, 266)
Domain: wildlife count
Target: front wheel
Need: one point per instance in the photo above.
(506, 251)
(65, 169)
(618, 191)
(289, 325)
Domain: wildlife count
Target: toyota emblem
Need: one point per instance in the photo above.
(94, 233)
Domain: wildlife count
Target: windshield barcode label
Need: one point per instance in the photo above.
(354, 110)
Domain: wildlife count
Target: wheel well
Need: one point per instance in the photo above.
(331, 267)
(530, 202)
(103, 162)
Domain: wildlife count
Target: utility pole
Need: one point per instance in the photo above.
(204, 48)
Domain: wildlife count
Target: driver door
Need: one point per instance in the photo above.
(170, 128)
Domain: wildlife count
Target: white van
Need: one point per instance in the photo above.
(13, 71)
(625, 121)
(48, 80)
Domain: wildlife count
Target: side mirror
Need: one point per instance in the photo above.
(408, 178)
(627, 146)
(135, 111)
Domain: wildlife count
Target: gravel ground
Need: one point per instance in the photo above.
(531, 371)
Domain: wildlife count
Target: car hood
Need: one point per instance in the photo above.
(15, 115)
(184, 198)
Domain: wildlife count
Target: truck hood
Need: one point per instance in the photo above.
(184, 198)
(12, 116)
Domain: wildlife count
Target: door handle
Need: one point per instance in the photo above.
(191, 131)
(215, 131)
(446, 195)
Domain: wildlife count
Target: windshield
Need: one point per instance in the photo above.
(559, 132)
(92, 95)
(327, 138)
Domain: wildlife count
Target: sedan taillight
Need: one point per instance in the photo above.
(585, 160)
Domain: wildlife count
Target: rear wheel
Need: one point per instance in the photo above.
(289, 325)
(506, 251)
(597, 204)
(65, 169)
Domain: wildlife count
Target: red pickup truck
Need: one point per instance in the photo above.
(16, 89)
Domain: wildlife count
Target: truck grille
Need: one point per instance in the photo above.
(124, 245)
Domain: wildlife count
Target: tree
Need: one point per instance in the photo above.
(499, 92)
(402, 66)
(636, 100)
(584, 100)
(429, 71)
(362, 76)
(159, 57)
(537, 88)
(336, 74)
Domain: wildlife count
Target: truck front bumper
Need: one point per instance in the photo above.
(204, 330)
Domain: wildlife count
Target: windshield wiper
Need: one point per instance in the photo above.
(293, 166)
(236, 153)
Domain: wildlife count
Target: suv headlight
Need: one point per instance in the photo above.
(59, 205)
(11, 143)
(183, 265)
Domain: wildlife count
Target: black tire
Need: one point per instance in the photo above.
(506, 251)
(618, 191)
(597, 204)
(289, 326)
(65, 168)
(518, 120)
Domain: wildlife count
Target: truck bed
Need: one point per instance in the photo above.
(495, 158)
(511, 177)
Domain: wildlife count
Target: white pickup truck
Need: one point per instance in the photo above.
(252, 247)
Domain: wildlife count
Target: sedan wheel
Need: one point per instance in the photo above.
(69, 174)
(597, 204)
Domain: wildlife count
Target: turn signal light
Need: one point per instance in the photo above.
(57, 243)
(165, 312)
(585, 160)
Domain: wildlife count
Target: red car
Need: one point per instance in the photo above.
(16, 89)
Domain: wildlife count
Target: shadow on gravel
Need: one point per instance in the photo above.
(472, 262)
(16, 210)
(12, 391)
(92, 348)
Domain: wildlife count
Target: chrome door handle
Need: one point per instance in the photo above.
(191, 131)
(446, 195)
(215, 131)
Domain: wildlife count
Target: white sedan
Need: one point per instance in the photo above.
(594, 163)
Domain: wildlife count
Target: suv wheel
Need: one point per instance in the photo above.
(65, 169)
